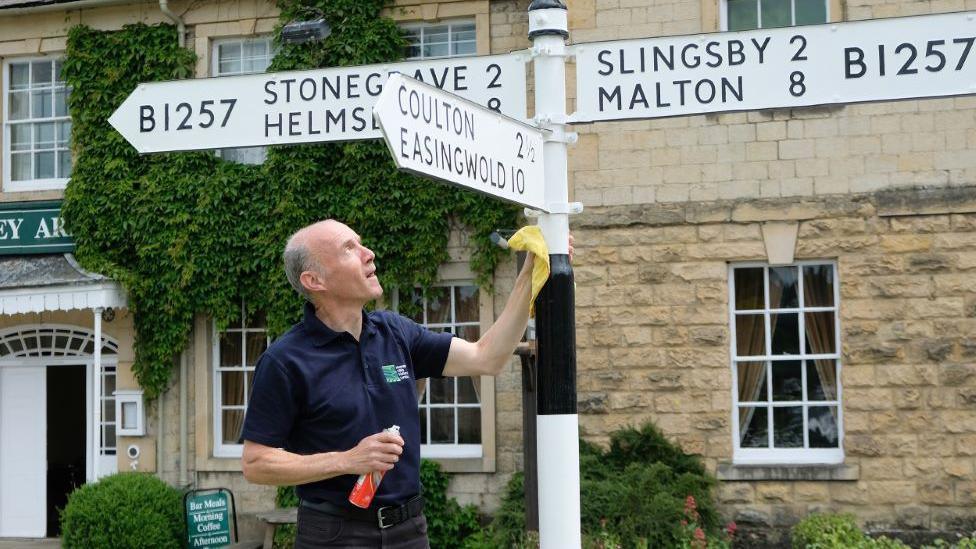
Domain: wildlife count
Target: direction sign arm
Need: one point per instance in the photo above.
(490, 354)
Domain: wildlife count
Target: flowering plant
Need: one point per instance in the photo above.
(693, 536)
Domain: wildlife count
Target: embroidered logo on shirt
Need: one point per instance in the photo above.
(395, 374)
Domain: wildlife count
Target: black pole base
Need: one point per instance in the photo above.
(556, 332)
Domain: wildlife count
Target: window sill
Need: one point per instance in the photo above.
(465, 465)
(840, 472)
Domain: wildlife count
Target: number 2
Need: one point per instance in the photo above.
(798, 56)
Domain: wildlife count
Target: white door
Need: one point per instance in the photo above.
(23, 452)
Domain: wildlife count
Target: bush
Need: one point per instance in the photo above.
(634, 495)
(833, 531)
(130, 510)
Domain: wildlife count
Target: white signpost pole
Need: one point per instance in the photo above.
(557, 422)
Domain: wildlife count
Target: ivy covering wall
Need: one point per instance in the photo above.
(189, 233)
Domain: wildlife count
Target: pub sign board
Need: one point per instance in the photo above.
(33, 228)
(208, 518)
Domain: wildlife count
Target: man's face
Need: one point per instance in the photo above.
(350, 274)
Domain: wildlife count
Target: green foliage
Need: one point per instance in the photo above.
(447, 522)
(837, 531)
(285, 533)
(634, 495)
(189, 233)
(968, 542)
(125, 510)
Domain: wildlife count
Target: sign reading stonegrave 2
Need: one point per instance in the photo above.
(33, 228)
(208, 519)
(437, 134)
(877, 60)
(331, 104)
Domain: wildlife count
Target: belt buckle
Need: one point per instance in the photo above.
(379, 518)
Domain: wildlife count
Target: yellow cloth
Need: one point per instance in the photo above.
(529, 239)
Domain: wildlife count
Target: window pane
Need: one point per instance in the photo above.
(230, 66)
(742, 15)
(257, 319)
(64, 133)
(230, 51)
(436, 33)
(109, 440)
(785, 333)
(752, 381)
(44, 164)
(463, 32)
(109, 414)
(436, 50)
(782, 288)
(423, 426)
(412, 52)
(20, 166)
(439, 305)
(823, 426)
(441, 390)
(466, 391)
(818, 286)
(753, 431)
(466, 303)
(811, 12)
(255, 48)
(749, 289)
(463, 48)
(44, 136)
(750, 335)
(20, 137)
(417, 300)
(787, 380)
(230, 349)
(61, 102)
(442, 425)
(468, 333)
(256, 344)
(57, 72)
(19, 76)
(19, 106)
(469, 426)
(775, 13)
(233, 420)
(821, 380)
(232, 388)
(129, 419)
(820, 332)
(42, 73)
(788, 427)
(42, 103)
(64, 164)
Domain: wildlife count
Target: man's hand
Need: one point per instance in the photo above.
(377, 452)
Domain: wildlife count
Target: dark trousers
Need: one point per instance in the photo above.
(317, 529)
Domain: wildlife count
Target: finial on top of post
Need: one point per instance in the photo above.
(545, 20)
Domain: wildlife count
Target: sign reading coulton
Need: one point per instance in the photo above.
(440, 135)
(33, 228)
(877, 60)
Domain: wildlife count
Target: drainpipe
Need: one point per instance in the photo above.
(97, 395)
(160, 434)
(184, 477)
(180, 27)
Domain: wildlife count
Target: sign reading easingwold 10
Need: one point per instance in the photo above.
(877, 60)
(443, 136)
(33, 228)
(332, 104)
(208, 518)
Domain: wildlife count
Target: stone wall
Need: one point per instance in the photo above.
(653, 338)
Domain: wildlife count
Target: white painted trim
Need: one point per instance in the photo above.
(65, 297)
(451, 451)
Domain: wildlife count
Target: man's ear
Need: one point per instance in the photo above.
(312, 281)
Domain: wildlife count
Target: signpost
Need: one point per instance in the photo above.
(876, 60)
(33, 228)
(208, 517)
(333, 104)
(437, 134)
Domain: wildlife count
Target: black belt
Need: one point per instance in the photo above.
(384, 517)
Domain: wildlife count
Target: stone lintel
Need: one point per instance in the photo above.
(927, 201)
(841, 472)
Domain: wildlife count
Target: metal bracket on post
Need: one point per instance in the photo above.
(570, 208)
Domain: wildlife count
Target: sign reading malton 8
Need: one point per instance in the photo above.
(441, 135)
(332, 104)
(877, 60)
(33, 228)
(208, 519)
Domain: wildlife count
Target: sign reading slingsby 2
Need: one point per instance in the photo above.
(332, 104)
(877, 60)
(441, 135)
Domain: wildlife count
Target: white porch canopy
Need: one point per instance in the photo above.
(36, 284)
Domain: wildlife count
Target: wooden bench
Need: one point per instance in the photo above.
(272, 519)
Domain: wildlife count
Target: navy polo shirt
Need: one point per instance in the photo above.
(316, 390)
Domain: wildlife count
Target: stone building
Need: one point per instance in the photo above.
(708, 245)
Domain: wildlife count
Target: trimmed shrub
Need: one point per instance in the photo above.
(130, 510)
(837, 531)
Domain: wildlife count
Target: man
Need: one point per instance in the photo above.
(320, 399)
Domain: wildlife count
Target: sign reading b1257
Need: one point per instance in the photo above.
(876, 60)
(443, 136)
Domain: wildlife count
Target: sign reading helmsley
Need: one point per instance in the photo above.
(33, 228)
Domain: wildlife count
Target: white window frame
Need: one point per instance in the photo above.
(220, 448)
(724, 14)
(9, 185)
(215, 71)
(422, 25)
(786, 456)
(452, 450)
